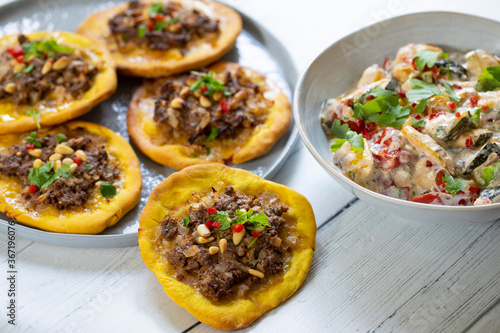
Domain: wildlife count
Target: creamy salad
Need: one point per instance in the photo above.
(423, 127)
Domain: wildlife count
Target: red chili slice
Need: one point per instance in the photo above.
(457, 114)
(223, 106)
(484, 107)
(238, 228)
(435, 115)
(212, 210)
(216, 224)
(473, 101)
(150, 26)
(439, 180)
(158, 17)
(255, 233)
(20, 59)
(33, 188)
(452, 105)
(402, 94)
(210, 224)
(468, 143)
(77, 160)
(204, 88)
(30, 146)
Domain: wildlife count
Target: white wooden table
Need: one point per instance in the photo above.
(371, 272)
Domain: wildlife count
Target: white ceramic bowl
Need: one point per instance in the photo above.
(341, 65)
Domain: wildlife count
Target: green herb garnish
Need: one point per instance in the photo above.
(35, 114)
(421, 106)
(32, 139)
(141, 30)
(46, 49)
(186, 221)
(252, 243)
(213, 134)
(155, 9)
(422, 90)
(207, 151)
(489, 79)
(61, 138)
(208, 81)
(107, 189)
(451, 94)
(249, 219)
(476, 117)
(427, 58)
(417, 124)
(453, 185)
(161, 24)
(41, 177)
(88, 167)
(356, 140)
(28, 69)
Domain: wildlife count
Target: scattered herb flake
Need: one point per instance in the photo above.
(61, 138)
(107, 189)
(489, 79)
(32, 139)
(451, 94)
(453, 185)
(35, 114)
(141, 30)
(28, 69)
(186, 221)
(422, 90)
(208, 81)
(213, 134)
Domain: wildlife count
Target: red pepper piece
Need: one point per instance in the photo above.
(452, 105)
(428, 163)
(33, 188)
(468, 142)
(369, 98)
(150, 26)
(158, 17)
(484, 107)
(210, 224)
(457, 114)
(204, 88)
(212, 210)
(402, 94)
(435, 115)
(223, 105)
(216, 224)
(20, 59)
(238, 228)
(30, 146)
(77, 160)
(473, 101)
(255, 233)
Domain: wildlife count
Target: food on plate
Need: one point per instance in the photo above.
(422, 127)
(77, 177)
(47, 78)
(227, 114)
(153, 39)
(226, 244)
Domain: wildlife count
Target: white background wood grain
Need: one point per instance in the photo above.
(371, 272)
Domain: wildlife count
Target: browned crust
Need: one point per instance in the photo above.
(171, 197)
(104, 85)
(90, 222)
(263, 138)
(159, 63)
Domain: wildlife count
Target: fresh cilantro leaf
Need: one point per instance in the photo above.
(159, 25)
(417, 123)
(476, 117)
(451, 94)
(489, 79)
(45, 49)
(421, 106)
(490, 173)
(107, 189)
(337, 143)
(186, 221)
(386, 119)
(339, 131)
(356, 141)
(88, 167)
(141, 30)
(422, 90)
(32, 139)
(208, 81)
(64, 171)
(390, 96)
(223, 218)
(155, 9)
(40, 176)
(35, 114)
(207, 151)
(257, 221)
(61, 138)
(28, 69)
(453, 185)
(213, 134)
(426, 58)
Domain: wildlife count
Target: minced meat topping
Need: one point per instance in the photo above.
(228, 243)
(160, 26)
(33, 70)
(206, 106)
(60, 171)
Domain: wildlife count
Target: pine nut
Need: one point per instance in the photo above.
(238, 236)
(256, 273)
(64, 150)
(46, 67)
(205, 102)
(177, 103)
(241, 95)
(208, 201)
(18, 68)
(260, 229)
(202, 240)
(57, 164)
(217, 96)
(73, 167)
(35, 152)
(197, 93)
(10, 88)
(223, 245)
(256, 208)
(61, 63)
(184, 92)
(37, 163)
(203, 231)
(213, 250)
(234, 104)
(191, 80)
(67, 161)
(243, 210)
(55, 157)
(81, 155)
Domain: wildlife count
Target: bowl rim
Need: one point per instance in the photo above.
(333, 170)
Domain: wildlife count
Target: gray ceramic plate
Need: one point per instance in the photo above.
(341, 65)
(255, 48)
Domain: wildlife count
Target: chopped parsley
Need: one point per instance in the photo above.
(476, 117)
(28, 69)
(141, 30)
(107, 189)
(61, 138)
(490, 173)
(356, 140)
(453, 185)
(422, 90)
(427, 58)
(32, 139)
(417, 124)
(45, 49)
(489, 79)
(213, 134)
(421, 106)
(155, 9)
(88, 167)
(207, 151)
(35, 114)
(252, 243)
(41, 178)
(451, 94)
(249, 219)
(212, 85)
(186, 221)
(161, 24)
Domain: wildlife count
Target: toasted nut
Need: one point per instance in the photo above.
(203, 240)
(233, 105)
(256, 273)
(197, 93)
(35, 152)
(57, 164)
(238, 236)
(217, 96)
(18, 153)
(18, 68)
(243, 210)
(208, 201)
(73, 167)
(81, 155)
(177, 103)
(37, 163)
(63, 149)
(241, 95)
(55, 157)
(67, 161)
(61, 63)
(260, 229)
(46, 67)
(213, 249)
(223, 245)
(10, 88)
(205, 102)
(184, 92)
(203, 231)
(247, 123)
(256, 208)
(191, 80)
